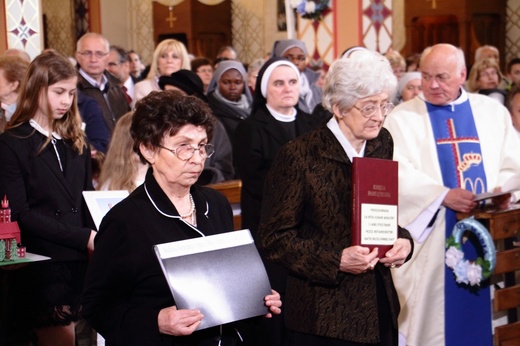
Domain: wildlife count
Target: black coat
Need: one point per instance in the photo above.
(230, 116)
(306, 223)
(125, 287)
(256, 142)
(47, 203)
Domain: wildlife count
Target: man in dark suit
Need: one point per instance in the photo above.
(92, 55)
(119, 67)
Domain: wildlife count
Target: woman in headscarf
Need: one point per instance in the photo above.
(408, 87)
(295, 51)
(229, 98)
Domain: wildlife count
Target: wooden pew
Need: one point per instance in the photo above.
(231, 189)
(503, 227)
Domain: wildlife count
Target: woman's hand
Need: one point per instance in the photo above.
(396, 256)
(274, 303)
(178, 322)
(90, 244)
(358, 259)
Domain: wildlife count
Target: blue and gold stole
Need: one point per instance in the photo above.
(468, 311)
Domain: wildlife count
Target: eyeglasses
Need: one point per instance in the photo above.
(205, 70)
(186, 151)
(370, 110)
(97, 54)
(112, 64)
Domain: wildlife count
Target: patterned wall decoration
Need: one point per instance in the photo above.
(81, 17)
(24, 26)
(246, 31)
(318, 37)
(377, 24)
(141, 29)
(512, 30)
(59, 23)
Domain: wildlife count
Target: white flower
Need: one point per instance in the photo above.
(453, 256)
(310, 7)
(295, 3)
(474, 274)
(461, 272)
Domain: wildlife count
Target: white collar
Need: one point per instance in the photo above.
(333, 126)
(463, 97)
(92, 81)
(282, 117)
(41, 130)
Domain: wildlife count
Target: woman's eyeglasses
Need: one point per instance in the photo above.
(370, 110)
(186, 151)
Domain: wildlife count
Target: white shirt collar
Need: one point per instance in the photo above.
(463, 97)
(41, 130)
(92, 81)
(333, 126)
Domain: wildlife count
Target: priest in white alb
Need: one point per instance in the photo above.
(450, 145)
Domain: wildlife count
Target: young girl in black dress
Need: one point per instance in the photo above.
(45, 167)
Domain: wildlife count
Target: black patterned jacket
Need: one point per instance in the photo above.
(305, 225)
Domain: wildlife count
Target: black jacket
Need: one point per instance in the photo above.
(125, 287)
(46, 202)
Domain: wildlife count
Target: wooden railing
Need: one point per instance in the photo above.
(504, 227)
(231, 189)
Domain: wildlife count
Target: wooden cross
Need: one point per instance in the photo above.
(434, 4)
(171, 19)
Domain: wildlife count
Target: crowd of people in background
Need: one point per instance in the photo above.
(288, 128)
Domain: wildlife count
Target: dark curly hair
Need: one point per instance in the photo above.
(163, 113)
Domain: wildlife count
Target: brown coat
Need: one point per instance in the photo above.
(305, 225)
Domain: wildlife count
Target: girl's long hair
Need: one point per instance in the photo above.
(121, 162)
(48, 68)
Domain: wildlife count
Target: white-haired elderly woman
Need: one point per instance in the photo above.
(169, 56)
(337, 293)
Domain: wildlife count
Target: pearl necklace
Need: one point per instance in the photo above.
(191, 212)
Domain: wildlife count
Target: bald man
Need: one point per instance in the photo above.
(450, 146)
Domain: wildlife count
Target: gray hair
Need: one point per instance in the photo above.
(363, 75)
(458, 54)
(92, 35)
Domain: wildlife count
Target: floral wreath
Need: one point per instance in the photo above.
(310, 9)
(470, 272)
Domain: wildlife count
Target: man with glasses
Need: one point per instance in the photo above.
(296, 52)
(451, 145)
(92, 51)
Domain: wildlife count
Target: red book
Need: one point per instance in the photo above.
(374, 203)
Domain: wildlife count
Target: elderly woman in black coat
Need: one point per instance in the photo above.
(338, 294)
(127, 298)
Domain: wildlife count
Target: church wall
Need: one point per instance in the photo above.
(255, 27)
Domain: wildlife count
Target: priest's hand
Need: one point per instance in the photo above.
(358, 259)
(459, 200)
(178, 322)
(501, 202)
(396, 256)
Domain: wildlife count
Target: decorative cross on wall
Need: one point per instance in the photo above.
(171, 19)
(434, 4)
